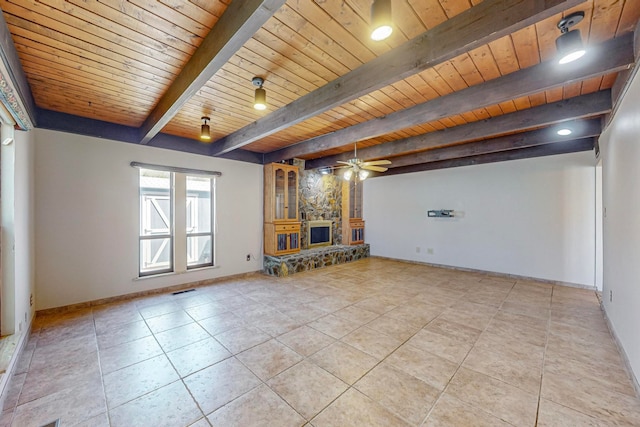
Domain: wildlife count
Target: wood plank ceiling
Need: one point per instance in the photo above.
(143, 64)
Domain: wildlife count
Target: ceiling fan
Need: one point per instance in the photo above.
(361, 168)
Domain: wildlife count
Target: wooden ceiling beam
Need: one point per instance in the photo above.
(609, 57)
(477, 26)
(238, 23)
(579, 107)
(581, 129)
(584, 144)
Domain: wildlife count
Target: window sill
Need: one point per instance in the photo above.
(174, 273)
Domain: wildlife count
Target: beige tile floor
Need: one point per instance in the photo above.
(371, 343)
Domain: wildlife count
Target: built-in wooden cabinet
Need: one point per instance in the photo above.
(281, 224)
(352, 222)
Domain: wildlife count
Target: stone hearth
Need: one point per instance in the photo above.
(310, 259)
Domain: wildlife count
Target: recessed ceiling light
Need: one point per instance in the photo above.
(565, 132)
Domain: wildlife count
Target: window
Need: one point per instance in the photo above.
(175, 242)
(199, 219)
(156, 222)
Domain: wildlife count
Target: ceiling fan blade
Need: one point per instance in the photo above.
(343, 163)
(377, 162)
(374, 168)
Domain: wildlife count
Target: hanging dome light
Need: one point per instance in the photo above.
(381, 19)
(347, 174)
(363, 174)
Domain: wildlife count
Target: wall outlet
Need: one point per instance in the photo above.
(610, 296)
(248, 257)
(430, 251)
(31, 300)
(417, 249)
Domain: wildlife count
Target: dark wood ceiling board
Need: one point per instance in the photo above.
(591, 85)
(128, 19)
(174, 29)
(578, 145)
(507, 107)
(525, 43)
(504, 54)
(530, 80)
(38, 74)
(317, 37)
(430, 12)
(285, 47)
(66, 89)
(466, 68)
(554, 94)
(630, 17)
(82, 110)
(103, 71)
(449, 74)
(515, 14)
(587, 106)
(522, 103)
(582, 129)
(64, 42)
(357, 25)
(40, 67)
(270, 67)
(239, 22)
(312, 12)
(185, 13)
(58, 21)
(484, 61)
(277, 27)
(405, 18)
(239, 71)
(605, 19)
(571, 90)
(113, 22)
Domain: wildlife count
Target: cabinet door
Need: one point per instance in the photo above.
(292, 196)
(279, 193)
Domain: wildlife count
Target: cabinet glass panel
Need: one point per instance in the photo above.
(294, 239)
(281, 242)
(279, 193)
(292, 196)
(355, 200)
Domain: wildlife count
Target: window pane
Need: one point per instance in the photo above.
(199, 251)
(155, 255)
(198, 204)
(155, 203)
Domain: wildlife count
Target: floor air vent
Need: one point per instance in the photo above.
(55, 423)
(182, 292)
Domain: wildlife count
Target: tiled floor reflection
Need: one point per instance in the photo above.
(371, 343)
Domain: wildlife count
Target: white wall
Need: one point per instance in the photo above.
(18, 250)
(87, 217)
(532, 217)
(620, 148)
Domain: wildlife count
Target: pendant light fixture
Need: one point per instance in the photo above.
(569, 43)
(205, 133)
(381, 19)
(260, 97)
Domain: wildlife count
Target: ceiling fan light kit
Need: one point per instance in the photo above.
(569, 43)
(360, 169)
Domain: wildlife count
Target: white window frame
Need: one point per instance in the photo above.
(178, 230)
